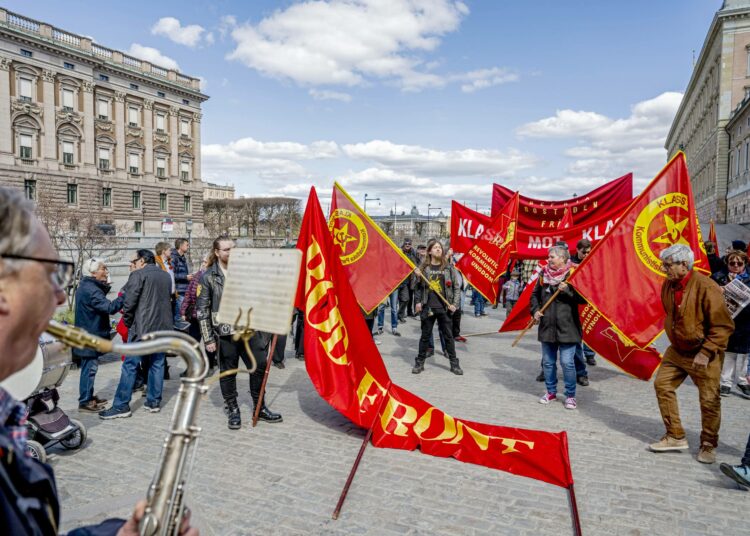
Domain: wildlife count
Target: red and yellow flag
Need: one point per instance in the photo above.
(488, 258)
(374, 264)
(712, 237)
(622, 276)
(348, 372)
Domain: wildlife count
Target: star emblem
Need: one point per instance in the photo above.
(341, 236)
(673, 234)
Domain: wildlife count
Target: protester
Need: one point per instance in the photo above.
(559, 325)
(299, 334)
(147, 308)
(479, 302)
(182, 279)
(714, 261)
(217, 336)
(32, 285)
(442, 277)
(735, 358)
(583, 248)
(698, 326)
(511, 291)
(189, 312)
(92, 311)
(409, 252)
(739, 473)
(415, 280)
(391, 301)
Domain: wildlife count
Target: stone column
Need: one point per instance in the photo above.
(89, 136)
(174, 135)
(197, 147)
(120, 162)
(49, 138)
(148, 136)
(6, 145)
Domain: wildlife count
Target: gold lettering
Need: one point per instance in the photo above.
(317, 272)
(389, 416)
(425, 421)
(364, 387)
(511, 444)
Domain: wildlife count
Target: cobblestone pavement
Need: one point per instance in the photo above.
(285, 479)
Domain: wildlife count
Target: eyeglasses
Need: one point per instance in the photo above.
(64, 270)
(736, 263)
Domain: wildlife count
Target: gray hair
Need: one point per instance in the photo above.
(17, 226)
(678, 253)
(91, 265)
(560, 252)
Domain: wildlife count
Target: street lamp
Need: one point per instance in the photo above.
(189, 229)
(369, 198)
(143, 218)
(429, 220)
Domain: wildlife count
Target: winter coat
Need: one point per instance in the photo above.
(148, 302)
(92, 311)
(702, 323)
(181, 271)
(560, 323)
(739, 341)
(451, 290)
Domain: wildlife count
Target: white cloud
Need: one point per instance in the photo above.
(227, 23)
(172, 29)
(608, 147)
(422, 160)
(325, 94)
(152, 56)
(355, 42)
(209, 38)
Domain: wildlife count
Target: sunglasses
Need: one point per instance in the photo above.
(736, 263)
(62, 275)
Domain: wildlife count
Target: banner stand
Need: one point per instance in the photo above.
(269, 361)
(574, 511)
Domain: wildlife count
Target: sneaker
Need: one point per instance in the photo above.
(707, 453)
(299, 357)
(455, 369)
(152, 409)
(90, 406)
(113, 413)
(483, 314)
(540, 378)
(460, 339)
(378, 342)
(100, 401)
(402, 320)
(570, 403)
(583, 380)
(725, 390)
(667, 444)
(547, 398)
(743, 390)
(590, 361)
(419, 367)
(738, 473)
(140, 387)
(380, 331)
(396, 333)
(279, 365)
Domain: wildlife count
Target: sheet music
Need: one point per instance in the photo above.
(266, 280)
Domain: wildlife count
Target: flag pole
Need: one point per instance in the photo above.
(440, 295)
(269, 359)
(480, 334)
(531, 324)
(350, 478)
(574, 511)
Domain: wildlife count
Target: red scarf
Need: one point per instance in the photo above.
(554, 277)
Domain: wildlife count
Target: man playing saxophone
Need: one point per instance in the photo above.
(32, 284)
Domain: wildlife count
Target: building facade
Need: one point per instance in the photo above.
(418, 227)
(89, 129)
(719, 83)
(218, 191)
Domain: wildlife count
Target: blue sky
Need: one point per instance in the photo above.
(417, 101)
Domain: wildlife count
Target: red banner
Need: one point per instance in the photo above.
(348, 372)
(622, 276)
(539, 215)
(488, 257)
(530, 244)
(373, 263)
(520, 316)
(712, 237)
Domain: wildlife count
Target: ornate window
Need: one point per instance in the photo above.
(133, 116)
(134, 163)
(102, 109)
(185, 170)
(161, 122)
(26, 146)
(104, 158)
(68, 96)
(107, 197)
(161, 166)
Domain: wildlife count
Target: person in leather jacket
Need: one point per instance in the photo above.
(218, 336)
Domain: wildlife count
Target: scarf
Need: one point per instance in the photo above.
(553, 277)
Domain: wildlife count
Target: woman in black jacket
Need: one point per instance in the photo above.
(92, 313)
(559, 325)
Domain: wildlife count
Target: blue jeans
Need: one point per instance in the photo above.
(549, 363)
(177, 305)
(393, 300)
(479, 303)
(89, 366)
(580, 362)
(127, 379)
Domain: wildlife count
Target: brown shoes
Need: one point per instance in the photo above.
(668, 444)
(707, 453)
(92, 405)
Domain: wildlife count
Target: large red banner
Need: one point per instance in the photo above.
(622, 276)
(530, 244)
(348, 372)
(536, 214)
(373, 263)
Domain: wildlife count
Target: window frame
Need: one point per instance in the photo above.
(68, 161)
(163, 202)
(21, 146)
(136, 200)
(67, 91)
(136, 111)
(29, 189)
(99, 102)
(134, 170)
(99, 158)
(106, 197)
(72, 192)
(187, 205)
(164, 173)
(22, 81)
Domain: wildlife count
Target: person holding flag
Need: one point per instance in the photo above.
(559, 324)
(437, 302)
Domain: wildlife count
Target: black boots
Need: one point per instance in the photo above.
(455, 369)
(267, 415)
(234, 421)
(418, 366)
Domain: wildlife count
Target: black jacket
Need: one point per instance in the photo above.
(181, 271)
(560, 323)
(93, 309)
(739, 341)
(148, 302)
(450, 290)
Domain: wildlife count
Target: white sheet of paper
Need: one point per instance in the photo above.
(266, 280)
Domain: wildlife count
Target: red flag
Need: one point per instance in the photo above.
(520, 316)
(567, 220)
(375, 266)
(466, 226)
(488, 258)
(536, 214)
(712, 237)
(348, 372)
(622, 276)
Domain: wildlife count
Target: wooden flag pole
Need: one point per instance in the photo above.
(482, 333)
(574, 511)
(350, 478)
(531, 324)
(438, 293)
(269, 360)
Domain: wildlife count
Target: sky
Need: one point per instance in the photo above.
(416, 101)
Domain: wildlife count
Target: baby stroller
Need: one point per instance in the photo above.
(36, 385)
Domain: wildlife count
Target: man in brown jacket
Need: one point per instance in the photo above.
(698, 325)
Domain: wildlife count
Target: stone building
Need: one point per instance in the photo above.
(92, 129)
(720, 81)
(218, 191)
(418, 227)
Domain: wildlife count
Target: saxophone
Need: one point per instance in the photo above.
(164, 508)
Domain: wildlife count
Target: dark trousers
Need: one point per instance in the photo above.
(195, 332)
(230, 353)
(746, 457)
(402, 309)
(456, 322)
(445, 325)
(410, 303)
(278, 352)
(370, 323)
(299, 333)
